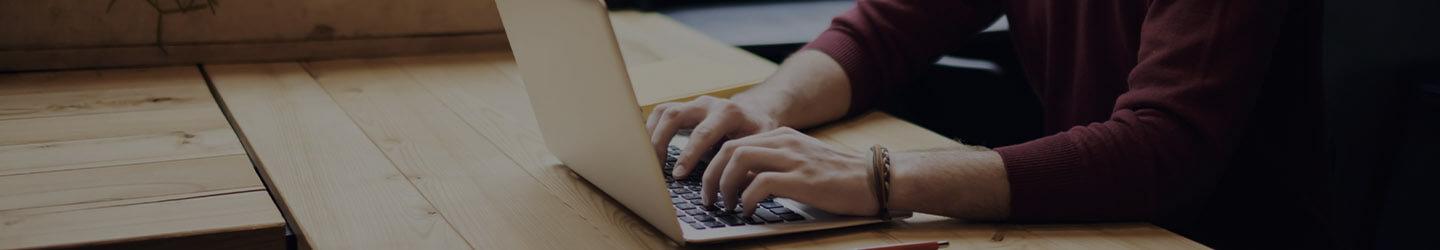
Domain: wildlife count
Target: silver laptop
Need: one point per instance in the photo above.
(586, 108)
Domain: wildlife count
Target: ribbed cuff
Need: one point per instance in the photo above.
(1044, 176)
(846, 51)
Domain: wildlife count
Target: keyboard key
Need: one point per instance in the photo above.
(713, 224)
(792, 217)
(693, 188)
(680, 191)
(685, 206)
(690, 196)
(679, 213)
(694, 212)
(702, 217)
(752, 220)
(697, 225)
(768, 216)
(678, 201)
(730, 220)
(697, 202)
(770, 205)
(781, 210)
(673, 185)
(687, 219)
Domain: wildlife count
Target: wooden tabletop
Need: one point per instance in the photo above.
(127, 157)
(403, 153)
(443, 152)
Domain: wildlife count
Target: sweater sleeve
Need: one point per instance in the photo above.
(883, 42)
(1199, 70)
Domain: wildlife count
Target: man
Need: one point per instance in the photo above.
(1154, 110)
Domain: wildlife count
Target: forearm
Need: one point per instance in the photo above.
(953, 182)
(810, 88)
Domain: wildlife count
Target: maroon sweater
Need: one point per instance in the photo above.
(1144, 101)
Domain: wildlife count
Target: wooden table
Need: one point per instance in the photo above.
(127, 157)
(390, 153)
(443, 152)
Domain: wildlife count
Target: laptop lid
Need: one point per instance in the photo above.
(581, 95)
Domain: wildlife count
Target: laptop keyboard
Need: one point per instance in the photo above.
(685, 194)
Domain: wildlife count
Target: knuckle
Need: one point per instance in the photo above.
(730, 108)
(788, 130)
(671, 113)
(764, 179)
(729, 146)
(740, 151)
(701, 132)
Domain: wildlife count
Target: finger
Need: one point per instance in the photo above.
(778, 132)
(765, 185)
(751, 159)
(710, 181)
(655, 116)
(710, 131)
(671, 122)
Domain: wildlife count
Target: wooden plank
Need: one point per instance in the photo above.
(860, 132)
(73, 176)
(77, 119)
(206, 215)
(490, 200)
(339, 189)
(82, 127)
(466, 89)
(93, 153)
(127, 182)
(110, 91)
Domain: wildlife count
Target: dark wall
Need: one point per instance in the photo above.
(1381, 127)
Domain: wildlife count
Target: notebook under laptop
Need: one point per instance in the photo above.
(586, 108)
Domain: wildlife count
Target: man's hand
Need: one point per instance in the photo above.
(712, 120)
(786, 163)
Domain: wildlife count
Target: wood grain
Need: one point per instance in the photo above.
(125, 158)
(132, 149)
(464, 87)
(197, 216)
(490, 200)
(127, 182)
(339, 188)
(82, 127)
(46, 95)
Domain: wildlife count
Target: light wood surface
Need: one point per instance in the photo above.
(339, 190)
(132, 157)
(456, 132)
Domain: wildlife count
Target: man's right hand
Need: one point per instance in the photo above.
(710, 119)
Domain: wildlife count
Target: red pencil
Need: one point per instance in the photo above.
(929, 245)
